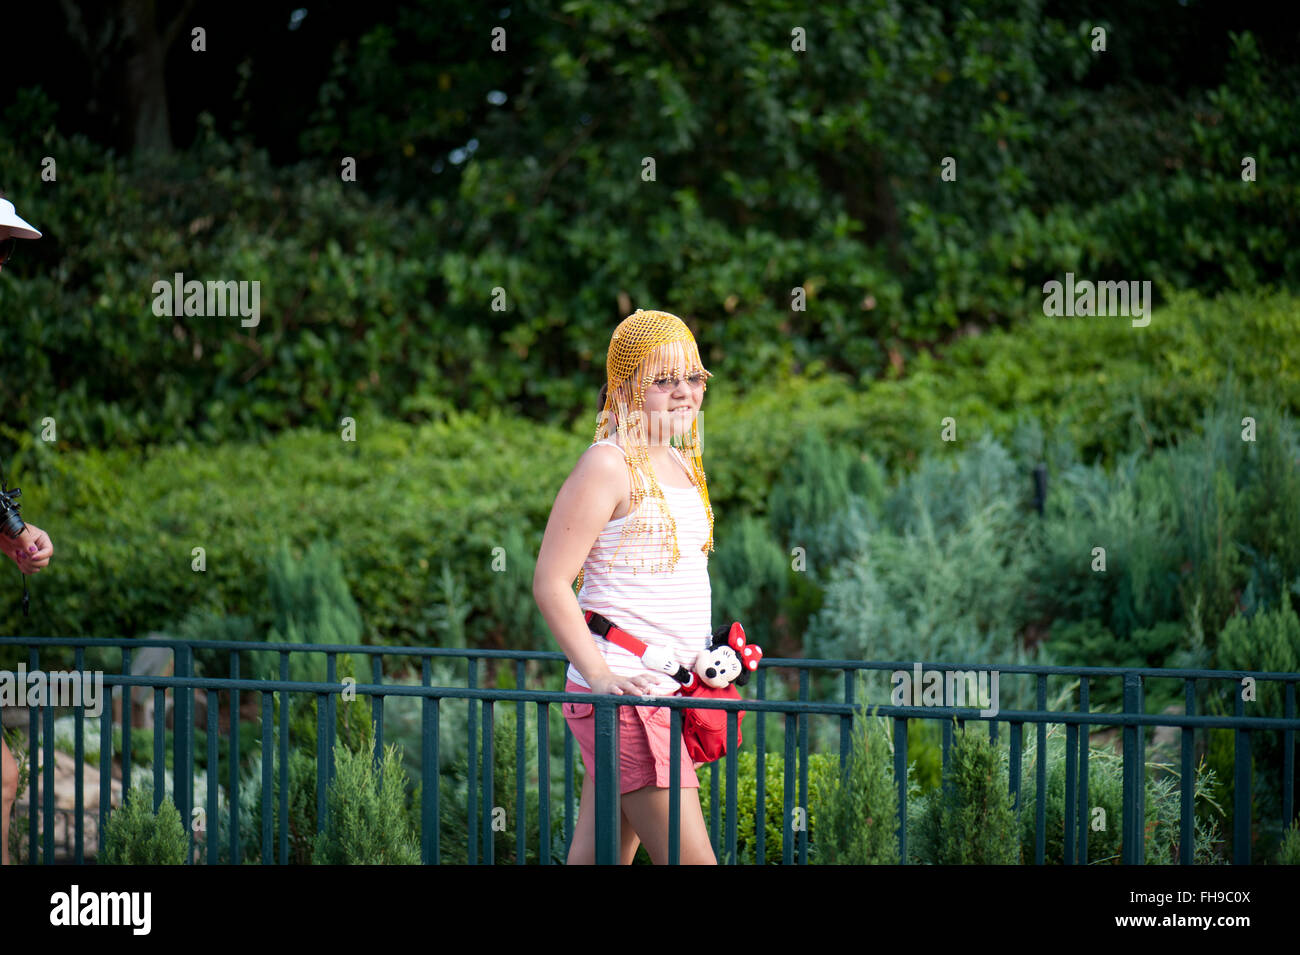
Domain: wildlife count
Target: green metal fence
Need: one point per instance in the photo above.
(482, 701)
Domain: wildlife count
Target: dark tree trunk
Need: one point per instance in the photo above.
(146, 86)
(122, 38)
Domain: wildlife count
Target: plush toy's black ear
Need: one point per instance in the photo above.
(721, 637)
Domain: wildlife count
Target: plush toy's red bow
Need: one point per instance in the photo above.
(749, 653)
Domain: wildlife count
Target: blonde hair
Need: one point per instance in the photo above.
(643, 344)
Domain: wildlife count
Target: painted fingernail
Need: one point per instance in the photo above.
(31, 549)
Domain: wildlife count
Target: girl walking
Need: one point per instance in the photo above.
(633, 524)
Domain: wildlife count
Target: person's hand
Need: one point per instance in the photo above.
(623, 685)
(31, 550)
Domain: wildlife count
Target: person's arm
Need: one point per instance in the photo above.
(581, 508)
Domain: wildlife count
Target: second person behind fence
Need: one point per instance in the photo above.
(633, 523)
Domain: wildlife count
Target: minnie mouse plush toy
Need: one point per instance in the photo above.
(729, 659)
(726, 664)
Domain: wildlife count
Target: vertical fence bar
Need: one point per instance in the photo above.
(607, 782)
(211, 824)
(1085, 751)
(1015, 756)
(489, 791)
(675, 787)
(159, 746)
(471, 778)
(568, 786)
(128, 724)
(846, 726)
(900, 780)
(544, 783)
(268, 779)
(1187, 820)
(79, 743)
(284, 760)
(715, 809)
(1241, 786)
(47, 711)
(183, 744)
(429, 770)
(105, 776)
(1142, 772)
(521, 762)
(803, 767)
(1071, 789)
(332, 718)
(377, 712)
(1040, 775)
(235, 851)
(33, 765)
(733, 810)
(322, 743)
(1288, 760)
(787, 822)
(1134, 775)
(760, 779)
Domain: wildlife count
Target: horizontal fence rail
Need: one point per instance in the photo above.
(175, 694)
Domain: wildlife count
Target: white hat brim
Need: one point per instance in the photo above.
(11, 224)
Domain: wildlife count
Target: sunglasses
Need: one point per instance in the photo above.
(7, 248)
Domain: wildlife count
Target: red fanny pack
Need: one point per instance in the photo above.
(703, 731)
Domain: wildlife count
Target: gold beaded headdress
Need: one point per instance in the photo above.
(645, 345)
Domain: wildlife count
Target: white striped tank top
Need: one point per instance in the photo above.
(670, 609)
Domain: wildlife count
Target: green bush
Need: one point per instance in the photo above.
(311, 605)
(862, 813)
(1267, 641)
(1104, 812)
(822, 770)
(1129, 513)
(18, 828)
(749, 577)
(1271, 535)
(970, 820)
(453, 798)
(302, 810)
(946, 578)
(1289, 851)
(134, 835)
(367, 820)
(1090, 643)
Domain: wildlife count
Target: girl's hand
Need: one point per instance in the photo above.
(623, 685)
(32, 549)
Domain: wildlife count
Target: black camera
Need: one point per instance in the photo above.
(10, 522)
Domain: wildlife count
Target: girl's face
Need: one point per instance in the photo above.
(673, 395)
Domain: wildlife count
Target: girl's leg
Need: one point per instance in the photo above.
(582, 850)
(7, 798)
(648, 810)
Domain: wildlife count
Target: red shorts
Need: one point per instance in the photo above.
(644, 749)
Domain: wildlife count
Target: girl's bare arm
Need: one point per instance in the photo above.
(582, 506)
